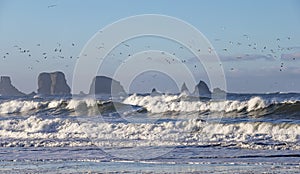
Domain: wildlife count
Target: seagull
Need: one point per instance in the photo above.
(209, 49)
(167, 60)
(50, 6)
(245, 35)
(126, 45)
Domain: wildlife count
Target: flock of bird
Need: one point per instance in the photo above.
(58, 51)
(274, 53)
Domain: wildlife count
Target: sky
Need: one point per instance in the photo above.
(257, 41)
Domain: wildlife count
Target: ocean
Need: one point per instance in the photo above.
(244, 133)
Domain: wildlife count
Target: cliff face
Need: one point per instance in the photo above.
(106, 85)
(7, 89)
(53, 84)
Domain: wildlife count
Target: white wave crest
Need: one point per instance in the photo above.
(189, 132)
(164, 103)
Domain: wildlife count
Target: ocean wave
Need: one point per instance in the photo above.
(36, 131)
(178, 103)
(72, 107)
(255, 106)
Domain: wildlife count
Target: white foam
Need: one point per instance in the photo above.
(153, 104)
(68, 132)
(164, 103)
(15, 106)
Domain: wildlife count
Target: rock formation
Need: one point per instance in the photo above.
(201, 89)
(53, 84)
(106, 85)
(154, 92)
(218, 91)
(219, 94)
(184, 89)
(7, 89)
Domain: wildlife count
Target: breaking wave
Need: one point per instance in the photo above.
(49, 132)
(255, 106)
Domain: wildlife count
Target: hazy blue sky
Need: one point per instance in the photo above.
(258, 41)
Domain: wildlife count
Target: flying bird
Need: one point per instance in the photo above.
(209, 49)
(53, 5)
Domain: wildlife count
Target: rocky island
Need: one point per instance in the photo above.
(106, 85)
(53, 83)
(7, 89)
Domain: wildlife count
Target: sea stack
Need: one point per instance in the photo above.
(202, 90)
(7, 89)
(218, 91)
(154, 92)
(106, 85)
(53, 84)
(184, 89)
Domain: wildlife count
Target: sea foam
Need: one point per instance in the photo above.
(70, 132)
(165, 103)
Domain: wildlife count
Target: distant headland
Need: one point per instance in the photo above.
(55, 83)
